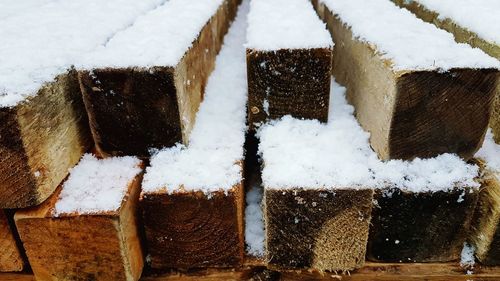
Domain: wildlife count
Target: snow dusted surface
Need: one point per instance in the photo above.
(9, 8)
(479, 16)
(97, 185)
(467, 259)
(254, 222)
(490, 152)
(408, 42)
(285, 24)
(159, 38)
(210, 163)
(309, 154)
(43, 42)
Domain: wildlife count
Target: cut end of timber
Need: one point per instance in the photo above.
(10, 256)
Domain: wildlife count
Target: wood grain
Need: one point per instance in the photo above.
(101, 246)
(319, 229)
(294, 82)
(134, 109)
(40, 139)
(10, 256)
(411, 113)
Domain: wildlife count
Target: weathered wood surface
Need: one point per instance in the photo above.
(101, 246)
(320, 229)
(40, 139)
(404, 111)
(191, 230)
(10, 256)
(135, 109)
(485, 234)
(420, 227)
(288, 81)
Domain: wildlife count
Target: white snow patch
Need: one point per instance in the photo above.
(467, 259)
(406, 41)
(159, 38)
(479, 16)
(490, 152)
(97, 185)
(309, 154)
(285, 24)
(211, 162)
(254, 222)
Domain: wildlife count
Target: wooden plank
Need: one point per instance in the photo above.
(315, 228)
(10, 256)
(40, 139)
(420, 227)
(97, 246)
(134, 109)
(411, 112)
(286, 78)
(191, 230)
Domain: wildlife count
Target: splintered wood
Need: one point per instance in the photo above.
(411, 112)
(10, 257)
(193, 230)
(98, 246)
(134, 109)
(319, 229)
(40, 139)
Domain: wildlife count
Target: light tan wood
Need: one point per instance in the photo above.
(40, 139)
(411, 113)
(10, 256)
(101, 246)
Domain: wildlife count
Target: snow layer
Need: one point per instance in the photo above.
(490, 152)
(479, 16)
(285, 24)
(309, 154)
(210, 163)
(97, 185)
(159, 38)
(254, 222)
(408, 42)
(43, 42)
(10, 8)
(467, 259)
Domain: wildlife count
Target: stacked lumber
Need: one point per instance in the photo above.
(88, 229)
(43, 124)
(193, 197)
(417, 91)
(142, 89)
(10, 257)
(288, 62)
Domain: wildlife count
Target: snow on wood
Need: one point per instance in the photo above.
(417, 91)
(254, 222)
(142, 89)
(201, 184)
(89, 224)
(10, 256)
(288, 61)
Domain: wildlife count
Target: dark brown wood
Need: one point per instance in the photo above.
(135, 109)
(295, 82)
(191, 230)
(10, 257)
(40, 139)
(319, 229)
(101, 246)
(413, 227)
(411, 113)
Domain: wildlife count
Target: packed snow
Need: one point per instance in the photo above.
(490, 152)
(467, 259)
(479, 16)
(285, 24)
(254, 222)
(40, 43)
(406, 41)
(309, 154)
(213, 159)
(97, 185)
(159, 38)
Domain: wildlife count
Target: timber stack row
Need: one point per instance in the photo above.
(127, 148)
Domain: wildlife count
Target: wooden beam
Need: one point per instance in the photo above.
(10, 256)
(318, 229)
(40, 139)
(193, 230)
(414, 227)
(134, 109)
(98, 246)
(412, 112)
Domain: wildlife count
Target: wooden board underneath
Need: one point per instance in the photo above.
(371, 271)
